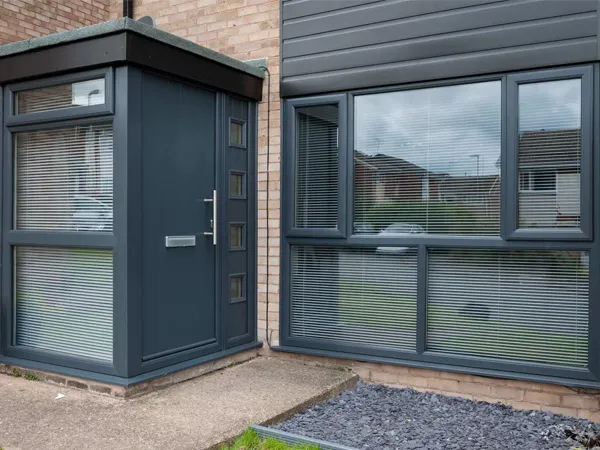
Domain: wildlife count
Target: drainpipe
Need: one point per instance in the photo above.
(128, 8)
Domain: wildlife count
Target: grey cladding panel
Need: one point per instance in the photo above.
(571, 27)
(414, 40)
(302, 8)
(369, 13)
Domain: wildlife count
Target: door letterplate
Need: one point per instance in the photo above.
(180, 241)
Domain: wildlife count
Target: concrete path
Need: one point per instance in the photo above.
(197, 414)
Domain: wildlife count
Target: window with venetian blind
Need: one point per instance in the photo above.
(434, 271)
(63, 187)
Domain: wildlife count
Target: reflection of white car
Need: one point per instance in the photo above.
(91, 214)
(399, 230)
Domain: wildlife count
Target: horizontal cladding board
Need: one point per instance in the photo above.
(571, 27)
(434, 24)
(302, 8)
(516, 58)
(371, 13)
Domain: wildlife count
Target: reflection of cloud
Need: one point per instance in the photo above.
(456, 129)
(551, 105)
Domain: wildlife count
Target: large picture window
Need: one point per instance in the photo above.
(469, 243)
(428, 160)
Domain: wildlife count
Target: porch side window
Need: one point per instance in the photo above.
(63, 293)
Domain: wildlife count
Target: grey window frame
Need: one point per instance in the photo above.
(421, 357)
(76, 112)
(289, 170)
(12, 238)
(510, 208)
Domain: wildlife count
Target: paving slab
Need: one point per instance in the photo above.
(197, 414)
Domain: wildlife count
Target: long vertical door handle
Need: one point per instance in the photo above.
(213, 222)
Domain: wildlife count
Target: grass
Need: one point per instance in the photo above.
(375, 306)
(27, 376)
(250, 440)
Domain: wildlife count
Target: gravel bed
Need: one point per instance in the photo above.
(378, 417)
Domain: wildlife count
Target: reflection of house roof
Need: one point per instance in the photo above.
(469, 186)
(550, 149)
(386, 164)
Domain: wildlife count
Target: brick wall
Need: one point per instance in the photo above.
(26, 19)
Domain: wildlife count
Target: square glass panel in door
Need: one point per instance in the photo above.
(64, 179)
(236, 236)
(236, 287)
(549, 154)
(237, 133)
(237, 185)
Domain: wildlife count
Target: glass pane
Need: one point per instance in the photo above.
(521, 304)
(236, 286)
(317, 167)
(428, 161)
(236, 233)
(83, 93)
(236, 185)
(550, 154)
(64, 179)
(64, 300)
(359, 296)
(236, 130)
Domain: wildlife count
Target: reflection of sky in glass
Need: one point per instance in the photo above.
(553, 105)
(453, 129)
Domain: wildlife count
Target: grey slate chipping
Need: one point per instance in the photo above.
(126, 24)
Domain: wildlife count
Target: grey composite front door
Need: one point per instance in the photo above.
(181, 314)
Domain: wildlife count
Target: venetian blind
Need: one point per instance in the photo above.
(520, 305)
(64, 300)
(83, 93)
(64, 179)
(550, 154)
(429, 160)
(316, 202)
(356, 296)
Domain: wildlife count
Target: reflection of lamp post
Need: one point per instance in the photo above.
(476, 156)
(477, 182)
(94, 92)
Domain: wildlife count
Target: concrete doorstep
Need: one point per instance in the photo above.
(197, 414)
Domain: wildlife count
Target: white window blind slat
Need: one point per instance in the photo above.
(518, 305)
(428, 161)
(317, 167)
(64, 179)
(82, 93)
(64, 301)
(354, 296)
